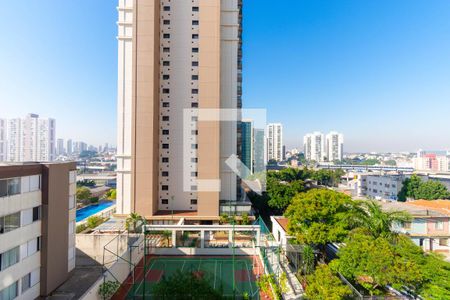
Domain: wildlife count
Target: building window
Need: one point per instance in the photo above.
(165, 132)
(165, 146)
(10, 292)
(194, 146)
(166, 77)
(194, 91)
(194, 50)
(443, 242)
(166, 35)
(166, 104)
(9, 258)
(193, 187)
(9, 187)
(166, 8)
(194, 105)
(194, 119)
(166, 63)
(195, 63)
(165, 118)
(166, 22)
(439, 225)
(194, 160)
(195, 8)
(165, 187)
(194, 174)
(195, 36)
(166, 49)
(166, 91)
(165, 159)
(194, 132)
(36, 213)
(193, 201)
(165, 174)
(164, 201)
(195, 22)
(194, 77)
(10, 222)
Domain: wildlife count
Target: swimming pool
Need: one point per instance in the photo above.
(90, 210)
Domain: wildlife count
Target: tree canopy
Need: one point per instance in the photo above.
(83, 193)
(376, 262)
(320, 216)
(324, 284)
(416, 188)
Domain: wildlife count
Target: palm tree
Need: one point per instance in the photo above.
(370, 216)
(132, 220)
(167, 234)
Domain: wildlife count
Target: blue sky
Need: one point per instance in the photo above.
(378, 71)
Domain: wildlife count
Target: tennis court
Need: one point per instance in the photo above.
(220, 272)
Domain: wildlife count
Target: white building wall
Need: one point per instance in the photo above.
(3, 150)
(315, 147)
(334, 146)
(275, 141)
(124, 108)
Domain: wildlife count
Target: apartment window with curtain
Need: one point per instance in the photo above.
(10, 292)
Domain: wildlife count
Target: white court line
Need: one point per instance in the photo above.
(145, 274)
(249, 279)
(184, 262)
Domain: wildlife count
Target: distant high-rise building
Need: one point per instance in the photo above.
(175, 57)
(82, 146)
(247, 145)
(437, 161)
(315, 147)
(69, 147)
(31, 139)
(259, 153)
(60, 147)
(335, 146)
(275, 142)
(3, 151)
(106, 147)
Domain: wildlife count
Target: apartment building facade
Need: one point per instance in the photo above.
(259, 150)
(315, 147)
(177, 58)
(334, 146)
(378, 186)
(275, 142)
(31, 139)
(3, 151)
(247, 147)
(37, 228)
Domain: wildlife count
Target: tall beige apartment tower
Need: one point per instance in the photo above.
(177, 57)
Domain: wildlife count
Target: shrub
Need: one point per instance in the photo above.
(108, 289)
(94, 221)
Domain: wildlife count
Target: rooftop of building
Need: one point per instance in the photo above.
(282, 221)
(421, 208)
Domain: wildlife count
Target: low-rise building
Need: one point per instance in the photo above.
(429, 227)
(37, 228)
(377, 185)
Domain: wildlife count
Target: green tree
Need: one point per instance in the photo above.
(307, 260)
(183, 286)
(432, 190)
(437, 278)
(94, 221)
(282, 193)
(320, 216)
(376, 221)
(83, 193)
(376, 262)
(416, 188)
(111, 194)
(133, 221)
(324, 284)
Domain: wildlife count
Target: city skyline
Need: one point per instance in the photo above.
(381, 60)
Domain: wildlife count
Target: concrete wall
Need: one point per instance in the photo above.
(93, 245)
(119, 270)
